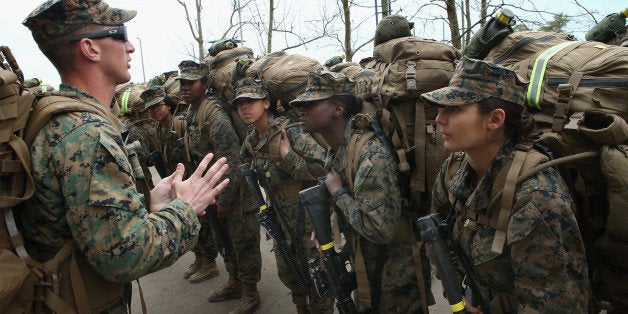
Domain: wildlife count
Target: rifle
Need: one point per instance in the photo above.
(433, 235)
(436, 237)
(330, 272)
(267, 219)
(222, 236)
(156, 160)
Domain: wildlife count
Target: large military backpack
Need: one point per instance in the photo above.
(405, 68)
(27, 285)
(578, 94)
(284, 74)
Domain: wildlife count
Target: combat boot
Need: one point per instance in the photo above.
(198, 260)
(249, 301)
(207, 270)
(232, 290)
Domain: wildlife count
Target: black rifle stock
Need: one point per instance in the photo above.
(156, 159)
(331, 273)
(267, 219)
(436, 242)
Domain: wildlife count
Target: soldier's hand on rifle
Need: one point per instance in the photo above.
(313, 239)
(333, 181)
(284, 147)
(223, 210)
(201, 188)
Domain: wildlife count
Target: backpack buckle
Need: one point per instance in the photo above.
(574, 121)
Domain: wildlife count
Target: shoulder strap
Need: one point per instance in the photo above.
(51, 105)
(357, 141)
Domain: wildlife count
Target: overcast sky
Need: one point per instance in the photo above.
(163, 31)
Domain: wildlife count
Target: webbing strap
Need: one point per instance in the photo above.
(418, 270)
(364, 288)
(533, 94)
(508, 196)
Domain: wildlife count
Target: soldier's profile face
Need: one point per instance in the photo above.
(316, 115)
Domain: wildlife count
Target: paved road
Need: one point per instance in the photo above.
(167, 292)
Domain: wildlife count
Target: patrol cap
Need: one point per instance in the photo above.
(250, 88)
(391, 27)
(55, 18)
(475, 80)
(192, 71)
(153, 96)
(324, 84)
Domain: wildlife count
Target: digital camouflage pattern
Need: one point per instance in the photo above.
(192, 71)
(373, 211)
(209, 129)
(250, 88)
(282, 180)
(391, 27)
(86, 193)
(55, 18)
(171, 153)
(475, 80)
(322, 85)
(543, 265)
(153, 96)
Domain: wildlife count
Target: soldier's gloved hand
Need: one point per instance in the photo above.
(201, 188)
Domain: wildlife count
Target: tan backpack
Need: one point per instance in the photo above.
(579, 94)
(220, 69)
(26, 285)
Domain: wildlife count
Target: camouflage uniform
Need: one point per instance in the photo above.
(209, 129)
(85, 192)
(542, 266)
(139, 127)
(372, 208)
(282, 179)
(167, 137)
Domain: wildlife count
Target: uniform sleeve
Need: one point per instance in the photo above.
(547, 252)
(105, 214)
(374, 210)
(220, 133)
(306, 158)
(440, 198)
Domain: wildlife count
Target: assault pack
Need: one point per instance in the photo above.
(27, 285)
(577, 97)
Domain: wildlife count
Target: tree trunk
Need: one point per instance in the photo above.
(453, 22)
(385, 8)
(347, 16)
(271, 22)
(199, 39)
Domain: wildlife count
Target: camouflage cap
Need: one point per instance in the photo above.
(391, 27)
(192, 71)
(55, 18)
(475, 80)
(153, 96)
(324, 84)
(250, 88)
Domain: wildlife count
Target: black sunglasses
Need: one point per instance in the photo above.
(118, 33)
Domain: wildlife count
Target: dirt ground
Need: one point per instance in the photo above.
(167, 292)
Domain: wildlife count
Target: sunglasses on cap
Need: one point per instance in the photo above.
(118, 33)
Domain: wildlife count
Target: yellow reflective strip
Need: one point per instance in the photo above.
(263, 208)
(327, 246)
(124, 106)
(538, 72)
(457, 307)
(624, 11)
(44, 88)
(600, 46)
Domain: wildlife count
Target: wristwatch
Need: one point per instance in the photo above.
(339, 192)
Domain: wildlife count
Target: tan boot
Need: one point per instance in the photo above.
(198, 260)
(249, 301)
(207, 270)
(232, 290)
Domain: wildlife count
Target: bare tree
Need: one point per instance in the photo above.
(195, 27)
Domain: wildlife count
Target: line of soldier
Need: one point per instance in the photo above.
(482, 115)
